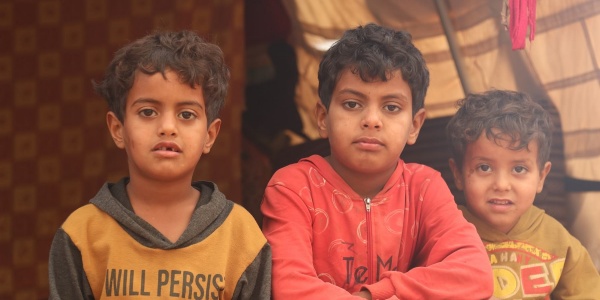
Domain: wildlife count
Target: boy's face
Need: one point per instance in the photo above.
(368, 124)
(165, 129)
(499, 184)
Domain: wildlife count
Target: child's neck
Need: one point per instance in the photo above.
(365, 185)
(159, 193)
(166, 206)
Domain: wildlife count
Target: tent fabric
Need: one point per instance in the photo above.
(561, 65)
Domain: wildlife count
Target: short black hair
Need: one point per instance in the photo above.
(374, 52)
(197, 63)
(513, 114)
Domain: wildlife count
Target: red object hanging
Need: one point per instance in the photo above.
(522, 15)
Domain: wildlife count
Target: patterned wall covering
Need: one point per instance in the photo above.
(55, 151)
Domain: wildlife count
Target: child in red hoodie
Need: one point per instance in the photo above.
(362, 223)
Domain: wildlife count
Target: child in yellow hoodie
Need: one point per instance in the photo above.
(500, 143)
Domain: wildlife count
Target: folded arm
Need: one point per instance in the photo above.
(450, 260)
(287, 224)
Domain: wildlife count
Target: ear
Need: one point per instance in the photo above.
(543, 174)
(321, 115)
(417, 123)
(458, 180)
(116, 129)
(212, 133)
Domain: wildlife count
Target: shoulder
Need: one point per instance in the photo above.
(243, 227)
(240, 214)
(87, 222)
(228, 211)
(303, 165)
(242, 220)
(549, 222)
(422, 177)
(553, 231)
(424, 187)
(419, 171)
(307, 169)
(86, 214)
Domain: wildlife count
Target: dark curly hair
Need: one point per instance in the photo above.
(374, 52)
(197, 62)
(512, 114)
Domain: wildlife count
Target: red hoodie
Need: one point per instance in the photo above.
(409, 241)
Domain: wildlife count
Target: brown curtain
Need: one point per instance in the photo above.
(55, 151)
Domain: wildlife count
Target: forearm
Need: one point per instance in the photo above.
(441, 281)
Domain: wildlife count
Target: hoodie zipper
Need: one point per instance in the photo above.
(370, 279)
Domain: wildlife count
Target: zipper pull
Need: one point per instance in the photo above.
(368, 204)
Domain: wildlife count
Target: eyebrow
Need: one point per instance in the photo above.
(156, 102)
(491, 159)
(399, 96)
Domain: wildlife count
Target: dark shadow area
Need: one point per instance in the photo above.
(270, 109)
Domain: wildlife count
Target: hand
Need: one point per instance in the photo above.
(364, 294)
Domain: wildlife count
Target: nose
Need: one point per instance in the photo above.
(371, 119)
(168, 126)
(502, 182)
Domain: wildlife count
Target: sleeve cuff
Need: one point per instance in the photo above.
(382, 289)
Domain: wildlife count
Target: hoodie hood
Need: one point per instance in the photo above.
(528, 225)
(323, 166)
(212, 208)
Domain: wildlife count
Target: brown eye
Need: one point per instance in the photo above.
(147, 112)
(520, 169)
(187, 115)
(392, 108)
(351, 104)
(484, 168)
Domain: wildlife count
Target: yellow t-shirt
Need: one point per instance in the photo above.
(538, 259)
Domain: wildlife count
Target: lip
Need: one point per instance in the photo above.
(167, 147)
(369, 143)
(497, 201)
(368, 140)
(501, 205)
